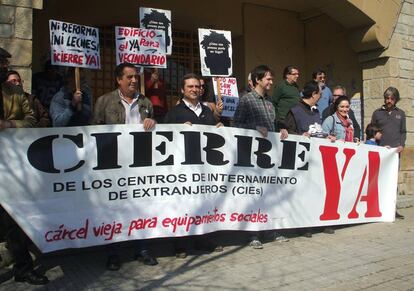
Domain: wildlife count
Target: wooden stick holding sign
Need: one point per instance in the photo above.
(78, 87)
(218, 84)
(142, 82)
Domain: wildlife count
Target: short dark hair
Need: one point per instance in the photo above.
(339, 100)
(392, 91)
(11, 72)
(259, 72)
(288, 70)
(317, 72)
(310, 87)
(119, 70)
(372, 130)
(187, 77)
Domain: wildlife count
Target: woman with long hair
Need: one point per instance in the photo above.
(339, 124)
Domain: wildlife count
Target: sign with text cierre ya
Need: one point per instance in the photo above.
(140, 46)
(215, 52)
(83, 186)
(159, 19)
(74, 45)
(229, 95)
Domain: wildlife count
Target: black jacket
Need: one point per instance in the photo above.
(181, 114)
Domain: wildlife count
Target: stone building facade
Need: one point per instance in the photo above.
(394, 66)
(16, 26)
(364, 44)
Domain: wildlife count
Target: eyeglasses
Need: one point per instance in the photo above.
(338, 96)
(295, 74)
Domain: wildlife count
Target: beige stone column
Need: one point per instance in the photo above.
(16, 25)
(394, 66)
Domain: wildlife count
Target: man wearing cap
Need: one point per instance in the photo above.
(15, 112)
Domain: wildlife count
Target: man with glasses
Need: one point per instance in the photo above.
(326, 99)
(339, 91)
(286, 94)
(40, 114)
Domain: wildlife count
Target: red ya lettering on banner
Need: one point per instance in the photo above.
(333, 183)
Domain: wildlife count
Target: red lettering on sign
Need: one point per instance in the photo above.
(67, 58)
(333, 183)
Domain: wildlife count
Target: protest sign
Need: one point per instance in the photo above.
(159, 19)
(74, 45)
(229, 95)
(97, 185)
(215, 52)
(140, 46)
(356, 107)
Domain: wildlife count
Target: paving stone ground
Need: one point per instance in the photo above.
(375, 256)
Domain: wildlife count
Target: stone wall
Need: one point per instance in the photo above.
(16, 22)
(394, 66)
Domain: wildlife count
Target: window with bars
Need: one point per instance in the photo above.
(185, 58)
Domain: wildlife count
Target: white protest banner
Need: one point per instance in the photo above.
(83, 186)
(215, 52)
(159, 19)
(140, 46)
(229, 95)
(74, 45)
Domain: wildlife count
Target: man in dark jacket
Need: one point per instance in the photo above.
(15, 112)
(190, 110)
(305, 114)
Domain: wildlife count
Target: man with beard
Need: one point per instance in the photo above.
(392, 121)
(15, 112)
(326, 99)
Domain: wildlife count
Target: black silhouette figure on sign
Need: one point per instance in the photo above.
(217, 59)
(157, 20)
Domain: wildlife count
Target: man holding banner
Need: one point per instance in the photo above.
(15, 112)
(125, 105)
(255, 111)
(191, 111)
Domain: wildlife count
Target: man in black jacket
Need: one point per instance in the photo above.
(190, 110)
